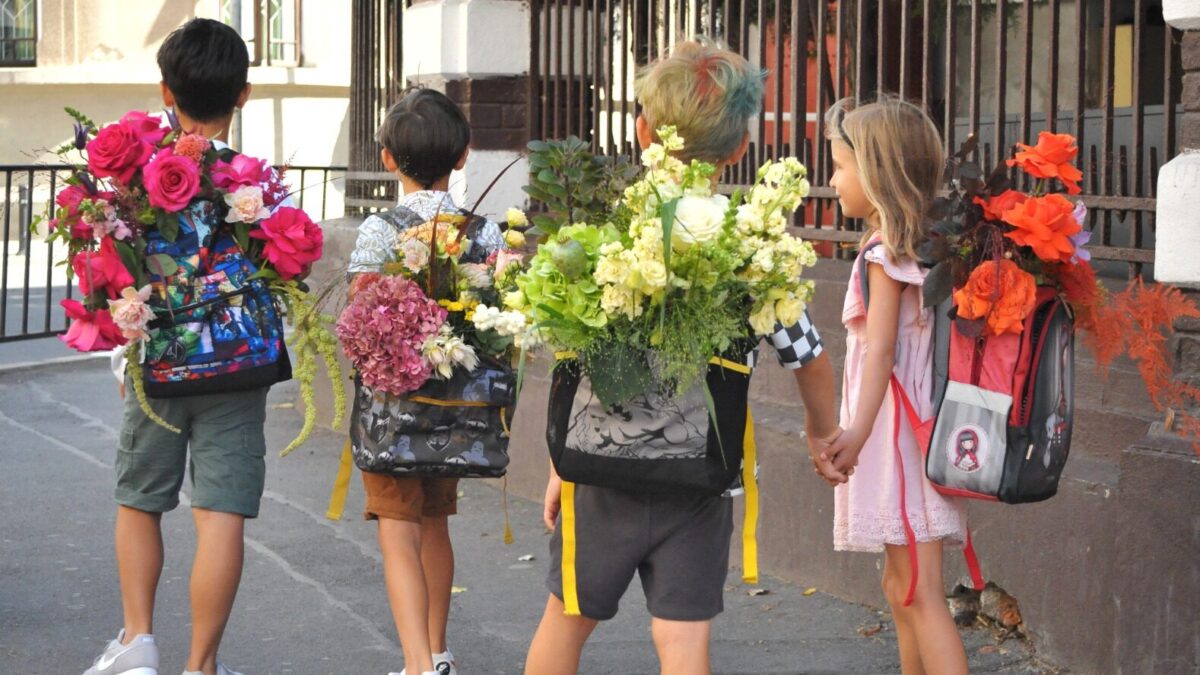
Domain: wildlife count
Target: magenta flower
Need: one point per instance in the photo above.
(90, 331)
(243, 170)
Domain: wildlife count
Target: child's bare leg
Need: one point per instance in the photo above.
(437, 560)
(216, 573)
(682, 646)
(400, 542)
(139, 564)
(938, 642)
(558, 642)
(896, 574)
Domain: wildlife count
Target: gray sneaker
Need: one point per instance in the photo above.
(221, 670)
(139, 657)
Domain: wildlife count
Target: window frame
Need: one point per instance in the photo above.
(261, 44)
(32, 40)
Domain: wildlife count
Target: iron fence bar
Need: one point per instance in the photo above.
(1171, 43)
(1001, 82)
(779, 100)
(28, 261)
(1106, 93)
(976, 67)
(1080, 78)
(1027, 73)
(1051, 110)
(951, 115)
(1135, 164)
(798, 85)
(761, 155)
(905, 38)
(49, 256)
(4, 263)
(627, 47)
(927, 57)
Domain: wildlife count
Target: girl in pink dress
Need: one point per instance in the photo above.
(888, 160)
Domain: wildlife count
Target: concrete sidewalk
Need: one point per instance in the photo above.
(312, 599)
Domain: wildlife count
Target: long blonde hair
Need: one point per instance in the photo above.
(900, 159)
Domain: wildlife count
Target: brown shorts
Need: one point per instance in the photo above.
(409, 497)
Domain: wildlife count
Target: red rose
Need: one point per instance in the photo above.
(294, 241)
(171, 181)
(120, 149)
(90, 331)
(102, 270)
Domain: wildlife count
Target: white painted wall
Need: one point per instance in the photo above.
(1177, 225)
(466, 38)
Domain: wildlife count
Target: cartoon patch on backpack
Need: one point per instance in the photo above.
(969, 450)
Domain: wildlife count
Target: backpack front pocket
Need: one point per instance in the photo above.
(966, 455)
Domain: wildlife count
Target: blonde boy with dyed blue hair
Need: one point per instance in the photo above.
(677, 544)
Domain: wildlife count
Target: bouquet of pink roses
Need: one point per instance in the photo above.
(185, 252)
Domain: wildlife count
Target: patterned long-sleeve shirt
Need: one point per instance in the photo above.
(378, 239)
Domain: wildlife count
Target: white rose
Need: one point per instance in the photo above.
(763, 321)
(789, 310)
(654, 274)
(698, 220)
(246, 205)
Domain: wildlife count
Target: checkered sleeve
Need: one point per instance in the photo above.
(797, 345)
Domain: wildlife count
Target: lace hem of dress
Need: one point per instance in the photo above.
(949, 528)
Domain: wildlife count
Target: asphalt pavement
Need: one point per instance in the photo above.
(312, 599)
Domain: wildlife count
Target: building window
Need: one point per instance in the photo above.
(18, 32)
(271, 29)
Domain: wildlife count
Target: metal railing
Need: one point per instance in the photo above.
(1108, 69)
(33, 275)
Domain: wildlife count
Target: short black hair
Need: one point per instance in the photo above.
(426, 134)
(205, 64)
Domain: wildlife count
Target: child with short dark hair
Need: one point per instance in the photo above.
(424, 138)
(204, 67)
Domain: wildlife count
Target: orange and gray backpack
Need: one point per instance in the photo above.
(1004, 406)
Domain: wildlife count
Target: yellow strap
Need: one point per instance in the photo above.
(448, 403)
(570, 594)
(750, 522)
(730, 365)
(503, 421)
(508, 535)
(563, 356)
(341, 484)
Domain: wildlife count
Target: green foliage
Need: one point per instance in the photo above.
(573, 184)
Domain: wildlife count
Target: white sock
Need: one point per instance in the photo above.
(443, 656)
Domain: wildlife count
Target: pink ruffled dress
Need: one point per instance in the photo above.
(866, 512)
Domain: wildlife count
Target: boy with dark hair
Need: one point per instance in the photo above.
(204, 66)
(424, 137)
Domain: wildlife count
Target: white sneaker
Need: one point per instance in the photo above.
(221, 670)
(443, 664)
(139, 657)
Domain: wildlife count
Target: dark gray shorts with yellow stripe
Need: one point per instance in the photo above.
(677, 544)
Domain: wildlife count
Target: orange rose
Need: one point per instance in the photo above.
(1002, 292)
(994, 207)
(1044, 224)
(1051, 158)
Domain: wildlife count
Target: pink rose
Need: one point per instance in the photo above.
(246, 205)
(70, 198)
(131, 314)
(120, 149)
(243, 170)
(90, 331)
(171, 181)
(293, 241)
(101, 270)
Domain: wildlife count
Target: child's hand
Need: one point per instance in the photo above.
(817, 445)
(552, 501)
(844, 450)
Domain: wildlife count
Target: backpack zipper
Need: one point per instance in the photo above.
(1036, 334)
(977, 359)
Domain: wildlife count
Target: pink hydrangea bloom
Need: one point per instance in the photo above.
(383, 329)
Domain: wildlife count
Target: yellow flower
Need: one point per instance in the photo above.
(515, 238)
(789, 310)
(516, 218)
(451, 305)
(763, 320)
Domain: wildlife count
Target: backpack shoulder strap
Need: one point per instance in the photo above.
(862, 272)
(401, 217)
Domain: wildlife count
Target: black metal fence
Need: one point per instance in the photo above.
(33, 277)
(1107, 71)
